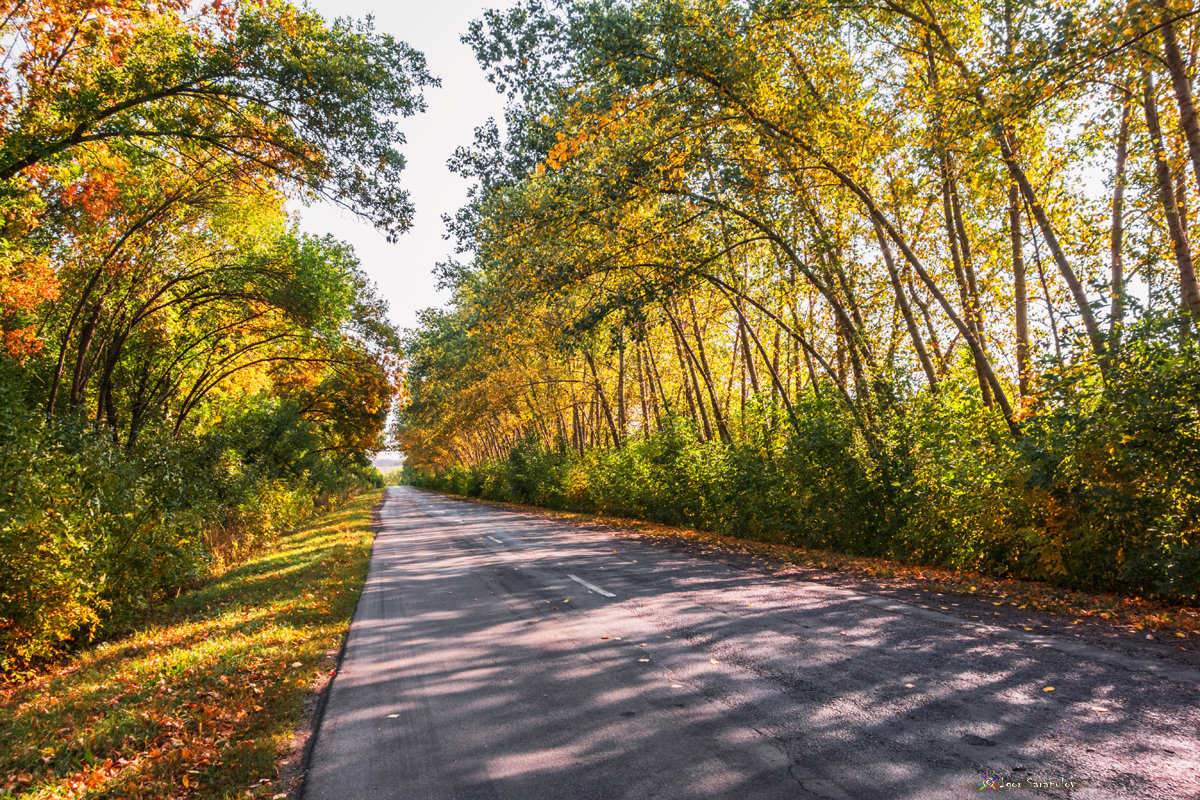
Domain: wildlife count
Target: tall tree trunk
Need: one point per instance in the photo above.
(1020, 290)
(686, 379)
(960, 228)
(60, 366)
(835, 272)
(1189, 292)
(1017, 238)
(910, 321)
(775, 350)
(577, 428)
(690, 365)
(1182, 84)
(748, 358)
(563, 444)
(812, 372)
(787, 404)
(969, 304)
(1037, 260)
(641, 379)
(104, 387)
(604, 406)
(86, 334)
(732, 373)
(622, 417)
(706, 373)
(1082, 302)
(656, 380)
(1181, 204)
(935, 344)
(1116, 240)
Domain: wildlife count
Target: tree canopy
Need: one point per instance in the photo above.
(178, 360)
(957, 234)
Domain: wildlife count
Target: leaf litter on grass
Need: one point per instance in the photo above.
(202, 699)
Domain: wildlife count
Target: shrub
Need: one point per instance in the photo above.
(93, 533)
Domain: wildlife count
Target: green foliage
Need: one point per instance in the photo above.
(183, 375)
(1100, 492)
(1115, 468)
(93, 535)
(747, 267)
(965, 499)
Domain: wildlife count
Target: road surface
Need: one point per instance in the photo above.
(501, 656)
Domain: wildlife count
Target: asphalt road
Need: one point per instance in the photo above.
(500, 656)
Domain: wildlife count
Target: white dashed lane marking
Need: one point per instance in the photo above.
(591, 586)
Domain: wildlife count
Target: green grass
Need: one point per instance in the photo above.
(203, 700)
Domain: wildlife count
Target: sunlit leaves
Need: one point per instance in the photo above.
(730, 215)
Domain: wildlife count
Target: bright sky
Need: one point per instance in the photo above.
(404, 271)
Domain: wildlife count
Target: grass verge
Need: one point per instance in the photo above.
(203, 700)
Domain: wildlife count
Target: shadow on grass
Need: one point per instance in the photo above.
(197, 701)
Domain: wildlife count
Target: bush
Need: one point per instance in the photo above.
(1114, 470)
(93, 534)
(1100, 491)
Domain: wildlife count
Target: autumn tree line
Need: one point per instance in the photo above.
(183, 373)
(906, 278)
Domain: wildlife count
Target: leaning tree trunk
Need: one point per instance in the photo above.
(1190, 293)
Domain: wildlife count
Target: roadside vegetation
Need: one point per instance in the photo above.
(203, 697)
(183, 373)
(900, 280)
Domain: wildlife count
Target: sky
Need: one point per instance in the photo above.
(403, 272)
